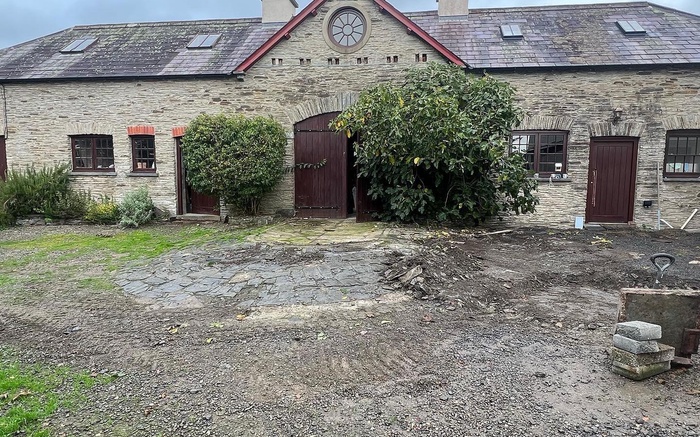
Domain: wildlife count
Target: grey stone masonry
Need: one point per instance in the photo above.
(639, 331)
(639, 373)
(634, 346)
(665, 354)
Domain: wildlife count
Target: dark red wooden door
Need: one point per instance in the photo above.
(366, 207)
(190, 200)
(3, 158)
(611, 180)
(321, 169)
(203, 203)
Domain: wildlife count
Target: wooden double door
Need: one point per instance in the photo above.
(326, 184)
(612, 176)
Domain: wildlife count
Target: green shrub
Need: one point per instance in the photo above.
(136, 209)
(46, 192)
(435, 147)
(104, 212)
(72, 205)
(236, 158)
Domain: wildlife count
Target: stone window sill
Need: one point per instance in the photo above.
(142, 174)
(94, 173)
(681, 179)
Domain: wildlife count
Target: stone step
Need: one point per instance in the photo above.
(198, 217)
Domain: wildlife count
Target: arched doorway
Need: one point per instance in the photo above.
(325, 176)
(321, 169)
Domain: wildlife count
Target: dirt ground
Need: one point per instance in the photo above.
(506, 335)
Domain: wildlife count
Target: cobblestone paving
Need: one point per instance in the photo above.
(260, 273)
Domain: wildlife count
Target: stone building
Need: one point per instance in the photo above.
(611, 93)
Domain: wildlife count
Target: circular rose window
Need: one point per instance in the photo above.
(347, 28)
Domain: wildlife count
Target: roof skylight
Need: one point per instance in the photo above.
(511, 31)
(204, 41)
(79, 45)
(631, 27)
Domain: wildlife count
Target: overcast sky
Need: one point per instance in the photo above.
(23, 20)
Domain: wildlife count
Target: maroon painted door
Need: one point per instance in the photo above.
(611, 180)
(190, 200)
(321, 169)
(3, 158)
(366, 207)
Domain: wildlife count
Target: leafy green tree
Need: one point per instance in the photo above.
(436, 147)
(236, 158)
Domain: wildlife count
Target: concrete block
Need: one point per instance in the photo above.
(640, 331)
(666, 353)
(634, 346)
(673, 310)
(639, 373)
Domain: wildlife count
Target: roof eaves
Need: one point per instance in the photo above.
(582, 67)
(116, 77)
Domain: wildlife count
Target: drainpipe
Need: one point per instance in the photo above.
(4, 108)
(658, 196)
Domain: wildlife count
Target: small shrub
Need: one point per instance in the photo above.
(6, 220)
(46, 192)
(136, 209)
(71, 205)
(104, 212)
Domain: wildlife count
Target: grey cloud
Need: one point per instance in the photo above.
(27, 19)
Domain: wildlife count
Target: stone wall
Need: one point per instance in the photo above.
(313, 78)
(652, 102)
(42, 116)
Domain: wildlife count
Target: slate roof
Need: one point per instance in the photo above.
(568, 36)
(554, 36)
(137, 50)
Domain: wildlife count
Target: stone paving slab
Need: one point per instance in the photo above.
(326, 266)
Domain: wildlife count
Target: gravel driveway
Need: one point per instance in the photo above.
(509, 337)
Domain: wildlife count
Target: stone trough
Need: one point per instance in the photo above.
(676, 311)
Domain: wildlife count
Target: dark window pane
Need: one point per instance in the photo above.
(144, 151)
(93, 153)
(546, 167)
(683, 154)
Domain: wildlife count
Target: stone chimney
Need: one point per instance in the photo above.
(451, 8)
(278, 11)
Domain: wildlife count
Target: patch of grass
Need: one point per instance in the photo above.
(124, 246)
(85, 262)
(95, 284)
(31, 393)
(6, 280)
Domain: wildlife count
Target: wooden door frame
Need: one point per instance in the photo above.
(3, 158)
(178, 177)
(633, 185)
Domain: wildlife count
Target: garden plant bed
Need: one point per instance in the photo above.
(509, 334)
